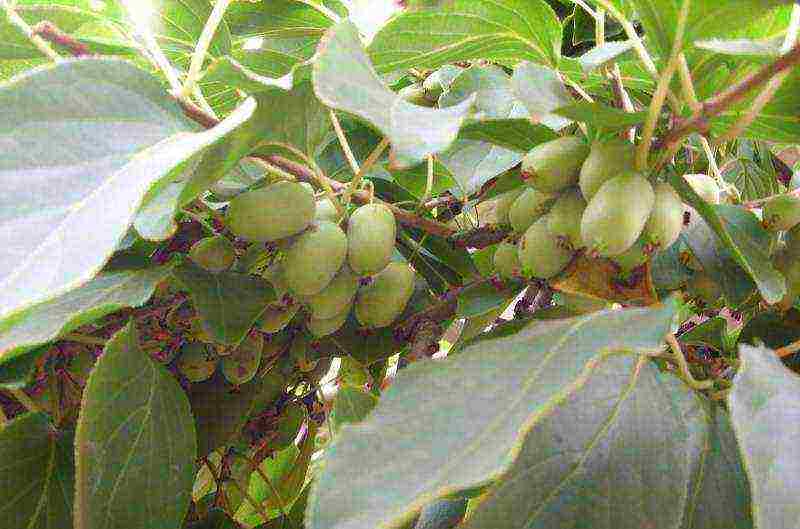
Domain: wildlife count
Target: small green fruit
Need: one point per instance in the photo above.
(370, 238)
(554, 165)
(506, 261)
(334, 298)
(666, 220)
(564, 220)
(314, 258)
(528, 207)
(605, 161)
(616, 215)
(540, 253)
(415, 94)
(781, 213)
(274, 212)
(275, 319)
(503, 205)
(383, 301)
(633, 257)
(196, 362)
(215, 254)
(326, 211)
(703, 287)
(705, 186)
(276, 276)
(323, 327)
(242, 364)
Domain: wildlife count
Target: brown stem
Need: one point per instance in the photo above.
(716, 105)
(480, 237)
(50, 32)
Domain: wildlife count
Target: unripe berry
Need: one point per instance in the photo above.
(554, 165)
(540, 253)
(274, 212)
(605, 161)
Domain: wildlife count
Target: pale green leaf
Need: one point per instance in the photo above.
(345, 80)
(450, 425)
(135, 443)
(765, 407)
(82, 142)
(600, 55)
(498, 30)
(542, 91)
(106, 293)
(37, 474)
(600, 115)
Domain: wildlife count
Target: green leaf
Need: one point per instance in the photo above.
(742, 234)
(485, 297)
(600, 115)
(750, 179)
(498, 30)
(228, 303)
(452, 424)
(276, 19)
(542, 91)
(230, 72)
(772, 329)
(19, 372)
(135, 442)
(37, 474)
(768, 48)
(515, 134)
(711, 332)
(600, 55)
(345, 80)
(84, 142)
(351, 405)
(216, 519)
(613, 454)
(106, 293)
(764, 403)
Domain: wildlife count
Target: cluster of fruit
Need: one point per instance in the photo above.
(584, 198)
(781, 213)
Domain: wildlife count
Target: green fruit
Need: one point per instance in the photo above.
(705, 186)
(703, 287)
(314, 258)
(370, 238)
(383, 301)
(528, 207)
(540, 253)
(506, 261)
(564, 220)
(275, 319)
(633, 257)
(274, 212)
(503, 204)
(320, 327)
(276, 276)
(196, 362)
(215, 254)
(781, 213)
(788, 264)
(334, 298)
(605, 161)
(433, 86)
(553, 166)
(326, 211)
(242, 364)
(616, 215)
(292, 418)
(415, 94)
(666, 220)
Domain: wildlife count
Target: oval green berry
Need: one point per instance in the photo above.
(325, 210)
(633, 257)
(214, 254)
(554, 165)
(383, 301)
(334, 298)
(666, 220)
(275, 319)
(705, 186)
(564, 219)
(529, 206)
(540, 253)
(314, 258)
(241, 366)
(320, 327)
(506, 260)
(196, 362)
(503, 205)
(273, 212)
(371, 231)
(605, 161)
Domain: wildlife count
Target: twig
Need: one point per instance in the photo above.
(17, 21)
(480, 237)
(215, 473)
(203, 44)
(727, 98)
(348, 152)
(24, 399)
(82, 338)
(51, 33)
(788, 350)
(257, 468)
(154, 52)
(428, 183)
(683, 366)
(355, 183)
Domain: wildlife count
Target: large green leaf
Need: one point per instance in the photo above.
(83, 142)
(515, 134)
(742, 234)
(228, 303)
(135, 443)
(615, 454)
(500, 30)
(764, 405)
(37, 473)
(106, 293)
(449, 425)
(344, 79)
(541, 91)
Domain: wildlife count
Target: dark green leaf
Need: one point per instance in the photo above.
(452, 424)
(19, 372)
(228, 303)
(85, 141)
(711, 332)
(773, 329)
(351, 405)
(442, 514)
(599, 115)
(516, 134)
(106, 293)
(764, 403)
(135, 443)
(485, 297)
(37, 474)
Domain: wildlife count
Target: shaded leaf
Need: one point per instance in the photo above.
(19, 372)
(345, 80)
(37, 474)
(351, 405)
(764, 406)
(711, 332)
(86, 141)
(486, 297)
(750, 179)
(499, 30)
(773, 329)
(135, 434)
(600, 279)
(106, 293)
(450, 425)
(601, 115)
(228, 303)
